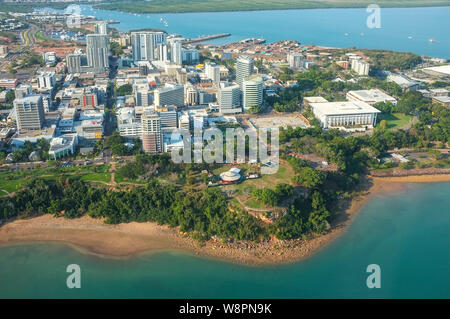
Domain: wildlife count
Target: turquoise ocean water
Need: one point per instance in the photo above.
(402, 29)
(406, 234)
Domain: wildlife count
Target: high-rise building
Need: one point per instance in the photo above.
(244, 68)
(252, 92)
(175, 51)
(212, 72)
(30, 112)
(151, 132)
(171, 94)
(190, 56)
(47, 102)
(191, 96)
(97, 52)
(23, 90)
(229, 98)
(46, 80)
(163, 52)
(361, 67)
(74, 63)
(101, 27)
(143, 44)
(295, 60)
(143, 97)
(169, 118)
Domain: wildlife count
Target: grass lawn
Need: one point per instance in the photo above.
(253, 203)
(97, 177)
(38, 35)
(11, 185)
(395, 120)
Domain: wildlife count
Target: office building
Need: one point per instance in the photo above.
(74, 63)
(97, 52)
(252, 92)
(163, 53)
(344, 114)
(143, 45)
(295, 60)
(143, 97)
(128, 125)
(46, 80)
(244, 68)
(229, 98)
(101, 27)
(370, 96)
(169, 118)
(175, 52)
(191, 96)
(151, 132)
(190, 56)
(212, 72)
(171, 94)
(47, 102)
(30, 112)
(23, 90)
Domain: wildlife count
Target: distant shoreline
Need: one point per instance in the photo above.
(244, 9)
(92, 236)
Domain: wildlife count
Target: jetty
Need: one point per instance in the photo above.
(207, 37)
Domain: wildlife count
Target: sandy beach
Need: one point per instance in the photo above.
(126, 240)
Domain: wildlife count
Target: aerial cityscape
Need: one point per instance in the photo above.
(156, 137)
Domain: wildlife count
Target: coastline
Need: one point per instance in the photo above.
(245, 9)
(92, 236)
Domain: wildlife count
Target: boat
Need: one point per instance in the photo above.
(432, 40)
(410, 37)
(346, 34)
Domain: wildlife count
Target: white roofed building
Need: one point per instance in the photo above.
(345, 114)
(370, 96)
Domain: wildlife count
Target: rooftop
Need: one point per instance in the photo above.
(344, 108)
(373, 95)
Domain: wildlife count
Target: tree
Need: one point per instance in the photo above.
(125, 89)
(310, 177)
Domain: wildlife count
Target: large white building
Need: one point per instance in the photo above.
(144, 43)
(212, 72)
(295, 60)
(129, 126)
(252, 92)
(361, 67)
(171, 94)
(370, 96)
(244, 68)
(229, 98)
(101, 27)
(46, 80)
(63, 146)
(345, 114)
(176, 52)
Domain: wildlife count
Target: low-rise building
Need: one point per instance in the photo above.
(370, 96)
(345, 114)
(63, 146)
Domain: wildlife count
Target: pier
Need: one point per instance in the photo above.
(207, 37)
